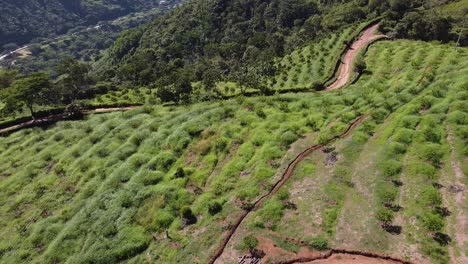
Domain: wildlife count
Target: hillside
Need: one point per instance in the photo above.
(246, 131)
(24, 20)
(138, 173)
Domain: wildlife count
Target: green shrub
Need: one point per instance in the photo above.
(432, 222)
(410, 121)
(433, 153)
(148, 177)
(395, 148)
(162, 220)
(391, 168)
(260, 113)
(379, 115)
(162, 161)
(249, 242)
(387, 193)
(318, 243)
(431, 197)
(404, 135)
(384, 214)
(132, 240)
(288, 137)
(431, 134)
(458, 117)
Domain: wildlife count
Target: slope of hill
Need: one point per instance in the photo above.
(374, 169)
(23, 20)
(106, 189)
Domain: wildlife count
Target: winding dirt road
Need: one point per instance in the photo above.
(346, 68)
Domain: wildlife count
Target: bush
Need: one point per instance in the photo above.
(249, 242)
(404, 135)
(432, 222)
(410, 121)
(458, 117)
(433, 153)
(379, 115)
(391, 168)
(162, 220)
(387, 193)
(431, 134)
(319, 243)
(384, 215)
(260, 113)
(288, 137)
(430, 196)
(396, 148)
(163, 161)
(150, 177)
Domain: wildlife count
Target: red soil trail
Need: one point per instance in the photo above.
(346, 69)
(333, 256)
(343, 256)
(285, 177)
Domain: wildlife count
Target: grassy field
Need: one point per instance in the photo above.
(136, 172)
(106, 189)
(394, 170)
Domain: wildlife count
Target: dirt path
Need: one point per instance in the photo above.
(457, 190)
(331, 256)
(346, 67)
(286, 176)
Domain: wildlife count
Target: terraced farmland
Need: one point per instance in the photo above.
(164, 184)
(396, 170)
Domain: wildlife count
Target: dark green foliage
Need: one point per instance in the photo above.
(249, 242)
(288, 137)
(360, 64)
(384, 214)
(74, 80)
(432, 153)
(432, 222)
(217, 40)
(22, 21)
(29, 91)
(187, 215)
(319, 243)
(180, 173)
(318, 86)
(214, 207)
(417, 25)
(391, 168)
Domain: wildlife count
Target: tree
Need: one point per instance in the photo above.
(249, 242)
(74, 79)
(7, 77)
(29, 91)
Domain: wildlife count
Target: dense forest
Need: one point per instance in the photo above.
(24, 20)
